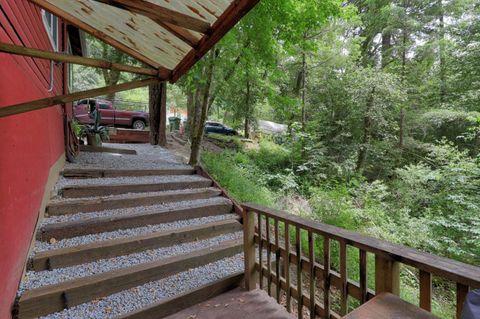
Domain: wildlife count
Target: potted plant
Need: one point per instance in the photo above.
(95, 133)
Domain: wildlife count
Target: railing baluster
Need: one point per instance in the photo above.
(269, 261)
(425, 290)
(462, 292)
(249, 248)
(277, 259)
(363, 276)
(343, 275)
(260, 250)
(298, 246)
(311, 257)
(387, 275)
(326, 277)
(287, 267)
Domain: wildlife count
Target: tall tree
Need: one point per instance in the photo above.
(201, 108)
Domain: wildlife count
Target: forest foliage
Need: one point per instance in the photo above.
(381, 101)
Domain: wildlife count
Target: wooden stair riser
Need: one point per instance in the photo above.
(54, 298)
(175, 304)
(98, 173)
(70, 256)
(94, 205)
(106, 190)
(112, 223)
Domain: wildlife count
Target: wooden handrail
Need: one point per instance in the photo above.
(388, 257)
(453, 270)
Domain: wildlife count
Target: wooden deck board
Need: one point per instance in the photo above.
(236, 304)
(387, 306)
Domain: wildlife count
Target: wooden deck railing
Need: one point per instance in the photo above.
(262, 227)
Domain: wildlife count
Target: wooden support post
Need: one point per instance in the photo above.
(260, 249)
(311, 258)
(249, 249)
(387, 275)
(286, 262)
(344, 277)
(298, 249)
(158, 114)
(57, 100)
(462, 292)
(269, 257)
(425, 290)
(363, 276)
(67, 58)
(277, 261)
(326, 277)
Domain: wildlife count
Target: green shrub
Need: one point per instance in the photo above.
(238, 177)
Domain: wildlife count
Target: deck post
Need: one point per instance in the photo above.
(249, 248)
(387, 275)
(158, 113)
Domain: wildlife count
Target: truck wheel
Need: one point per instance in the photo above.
(138, 125)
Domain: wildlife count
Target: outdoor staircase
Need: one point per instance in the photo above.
(131, 243)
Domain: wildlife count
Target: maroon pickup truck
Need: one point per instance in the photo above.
(109, 115)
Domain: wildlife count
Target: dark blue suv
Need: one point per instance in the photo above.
(219, 128)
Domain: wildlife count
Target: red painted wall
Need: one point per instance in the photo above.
(30, 143)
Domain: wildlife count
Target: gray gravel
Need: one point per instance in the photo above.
(65, 182)
(36, 279)
(141, 296)
(135, 210)
(59, 199)
(125, 233)
(148, 157)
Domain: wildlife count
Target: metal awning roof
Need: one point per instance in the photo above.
(168, 35)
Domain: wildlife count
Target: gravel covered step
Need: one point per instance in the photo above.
(185, 300)
(77, 188)
(98, 172)
(147, 216)
(84, 205)
(136, 298)
(49, 299)
(65, 257)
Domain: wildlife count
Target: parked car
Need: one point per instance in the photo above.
(219, 128)
(109, 115)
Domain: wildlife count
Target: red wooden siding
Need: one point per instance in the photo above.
(30, 143)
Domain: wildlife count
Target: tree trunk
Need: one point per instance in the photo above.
(247, 109)
(367, 127)
(190, 113)
(201, 111)
(401, 139)
(401, 133)
(304, 111)
(304, 75)
(386, 48)
(111, 77)
(158, 114)
(441, 47)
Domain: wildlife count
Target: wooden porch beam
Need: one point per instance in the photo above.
(180, 33)
(237, 10)
(67, 58)
(99, 34)
(56, 100)
(159, 13)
